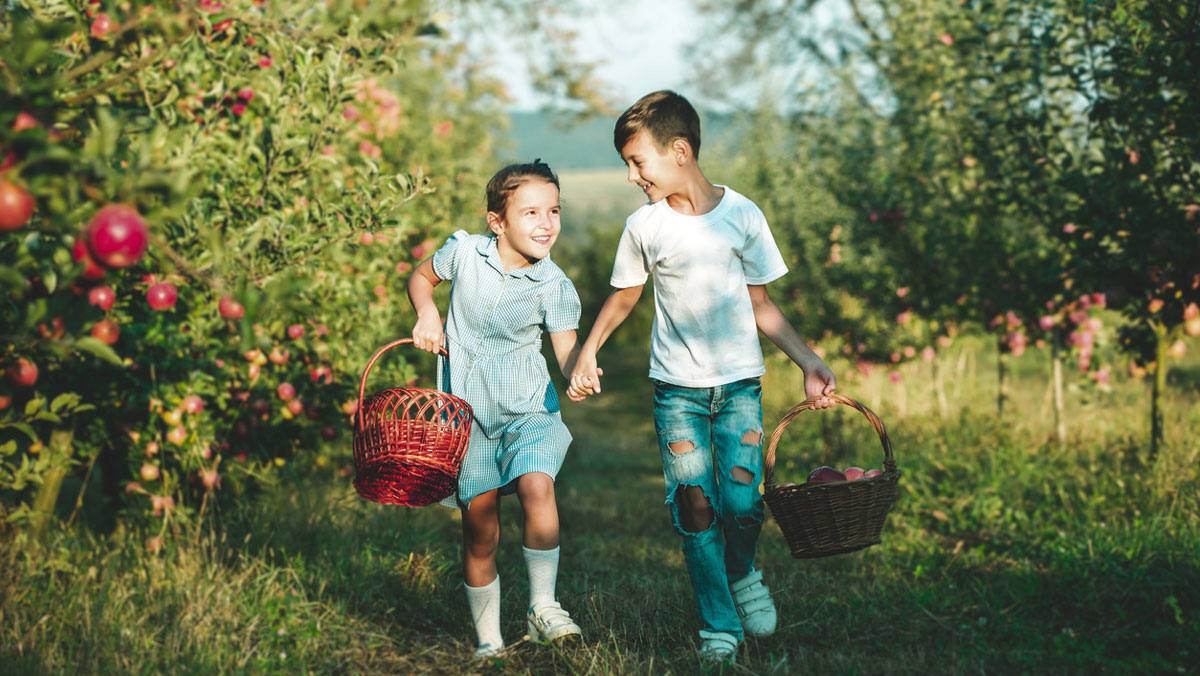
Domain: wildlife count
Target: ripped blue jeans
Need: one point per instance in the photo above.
(710, 439)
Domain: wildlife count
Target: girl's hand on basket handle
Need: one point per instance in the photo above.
(819, 380)
(427, 334)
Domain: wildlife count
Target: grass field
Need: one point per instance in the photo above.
(1006, 554)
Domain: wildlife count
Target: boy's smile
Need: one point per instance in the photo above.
(653, 169)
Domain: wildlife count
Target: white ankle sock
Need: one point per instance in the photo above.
(543, 575)
(485, 612)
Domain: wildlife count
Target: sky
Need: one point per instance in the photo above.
(638, 46)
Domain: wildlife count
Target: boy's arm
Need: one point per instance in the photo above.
(586, 375)
(427, 332)
(818, 379)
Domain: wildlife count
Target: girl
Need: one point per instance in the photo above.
(504, 292)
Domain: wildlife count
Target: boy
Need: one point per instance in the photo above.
(710, 252)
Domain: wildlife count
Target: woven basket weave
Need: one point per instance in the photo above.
(409, 442)
(835, 517)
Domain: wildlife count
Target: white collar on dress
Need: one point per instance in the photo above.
(539, 271)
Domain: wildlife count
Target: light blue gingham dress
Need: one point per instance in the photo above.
(494, 337)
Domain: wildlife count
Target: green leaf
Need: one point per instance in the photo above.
(68, 399)
(34, 406)
(25, 428)
(99, 349)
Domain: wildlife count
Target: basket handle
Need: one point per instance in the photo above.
(889, 462)
(362, 383)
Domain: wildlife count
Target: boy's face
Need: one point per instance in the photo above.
(657, 171)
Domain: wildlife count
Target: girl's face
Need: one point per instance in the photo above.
(529, 225)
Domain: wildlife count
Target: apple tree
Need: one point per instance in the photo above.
(209, 211)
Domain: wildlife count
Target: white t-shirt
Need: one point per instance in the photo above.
(704, 332)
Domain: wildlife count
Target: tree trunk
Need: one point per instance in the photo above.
(1060, 421)
(1001, 382)
(1158, 385)
(47, 495)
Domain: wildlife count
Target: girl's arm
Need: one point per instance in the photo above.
(566, 351)
(818, 379)
(427, 332)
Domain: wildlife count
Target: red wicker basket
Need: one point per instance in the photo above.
(408, 442)
(834, 517)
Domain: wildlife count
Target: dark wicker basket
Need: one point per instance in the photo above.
(835, 517)
(409, 442)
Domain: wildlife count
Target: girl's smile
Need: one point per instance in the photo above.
(529, 226)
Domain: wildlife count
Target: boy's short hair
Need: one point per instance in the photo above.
(665, 115)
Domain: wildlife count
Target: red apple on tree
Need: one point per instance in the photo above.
(16, 206)
(177, 435)
(285, 391)
(91, 271)
(25, 121)
(295, 406)
(162, 296)
(295, 331)
(193, 404)
(23, 373)
(278, 356)
(102, 296)
(101, 25)
(230, 308)
(149, 472)
(106, 331)
(117, 236)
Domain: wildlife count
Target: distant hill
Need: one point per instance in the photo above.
(586, 145)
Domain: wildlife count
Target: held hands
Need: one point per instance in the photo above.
(819, 380)
(585, 379)
(427, 333)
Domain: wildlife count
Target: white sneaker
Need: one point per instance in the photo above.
(549, 622)
(754, 604)
(717, 647)
(488, 650)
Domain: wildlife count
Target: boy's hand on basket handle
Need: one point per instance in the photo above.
(819, 380)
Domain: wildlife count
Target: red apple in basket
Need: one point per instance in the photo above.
(825, 473)
(853, 473)
(872, 473)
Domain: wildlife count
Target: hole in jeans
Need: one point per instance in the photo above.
(695, 511)
(741, 475)
(752, 437)
(681, 447)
